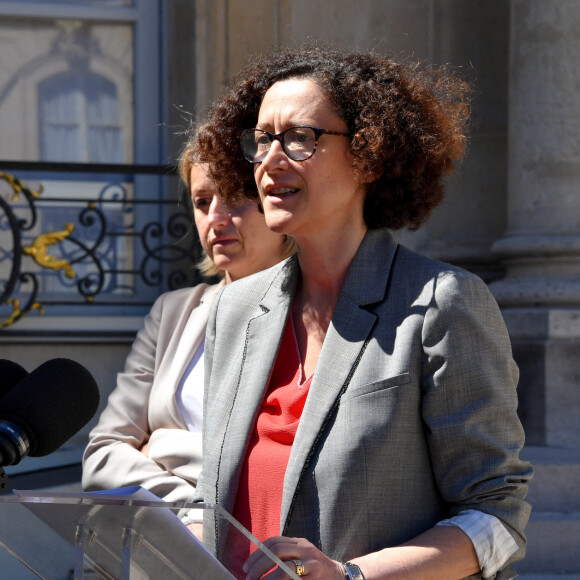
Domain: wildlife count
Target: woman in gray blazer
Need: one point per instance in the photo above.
(149, 434)
(360, 410)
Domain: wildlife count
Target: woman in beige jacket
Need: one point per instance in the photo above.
(149, 434)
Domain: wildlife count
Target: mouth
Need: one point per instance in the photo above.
(281, 192)
(221, 242)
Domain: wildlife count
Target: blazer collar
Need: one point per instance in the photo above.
(366, 282)
(283, 285)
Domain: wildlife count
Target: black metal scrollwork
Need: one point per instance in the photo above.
(104, 251)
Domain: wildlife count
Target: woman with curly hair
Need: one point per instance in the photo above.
(360, 398)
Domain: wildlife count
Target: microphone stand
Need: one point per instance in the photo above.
(5, 486)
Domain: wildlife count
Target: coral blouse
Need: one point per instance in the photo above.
(259, 498)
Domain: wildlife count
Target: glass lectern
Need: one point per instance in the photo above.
(126, 534)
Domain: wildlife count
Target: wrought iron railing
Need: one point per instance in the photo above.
(98, 239)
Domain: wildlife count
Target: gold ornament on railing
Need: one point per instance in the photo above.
(38, 250)
(17, 312)
(17, 186)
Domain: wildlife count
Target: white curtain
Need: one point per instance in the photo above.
(79, 117)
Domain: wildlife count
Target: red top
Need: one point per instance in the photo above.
(259, 499)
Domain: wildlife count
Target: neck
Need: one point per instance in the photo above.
(324, 266)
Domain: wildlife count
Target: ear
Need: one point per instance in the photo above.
(367, 177)
(371, 176)
(364, 177)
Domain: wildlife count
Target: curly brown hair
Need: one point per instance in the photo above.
(407, 124)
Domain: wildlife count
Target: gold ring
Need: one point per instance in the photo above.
(299, 567)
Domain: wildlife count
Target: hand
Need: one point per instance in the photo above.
(317, 566)
(196, 528)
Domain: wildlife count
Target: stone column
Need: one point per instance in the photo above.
(540, 294)
(473, 38)
(227, 34)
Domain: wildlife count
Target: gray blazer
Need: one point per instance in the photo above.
(410, 417)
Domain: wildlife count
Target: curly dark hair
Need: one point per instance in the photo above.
(407, 124)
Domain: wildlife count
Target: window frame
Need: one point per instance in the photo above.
(146, 19)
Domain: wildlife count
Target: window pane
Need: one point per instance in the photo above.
(66, 90)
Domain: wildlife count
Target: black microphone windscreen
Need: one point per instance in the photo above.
(51, 404)
(11, 374)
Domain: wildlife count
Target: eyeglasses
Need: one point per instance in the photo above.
(299, 143)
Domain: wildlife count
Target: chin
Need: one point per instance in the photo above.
(223, 263)
(279, 223)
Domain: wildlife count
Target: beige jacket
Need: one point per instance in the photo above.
(143, 407)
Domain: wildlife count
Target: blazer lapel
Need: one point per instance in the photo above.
(185, 348)
(264, 332)
(351, 326)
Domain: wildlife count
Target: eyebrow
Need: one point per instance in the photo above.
(270, 129)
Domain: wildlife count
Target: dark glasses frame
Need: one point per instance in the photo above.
(280, 138)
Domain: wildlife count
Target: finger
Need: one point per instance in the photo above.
(264, 563)
(279, 545)
(273, 574)
(260, 562)
(279, 574)
(196, 528)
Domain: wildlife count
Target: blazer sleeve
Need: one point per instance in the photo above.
(112, 458)
(469, 405)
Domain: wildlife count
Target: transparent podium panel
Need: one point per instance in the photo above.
(116, 536)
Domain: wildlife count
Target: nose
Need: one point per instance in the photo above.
(276, 157)
(218, 213)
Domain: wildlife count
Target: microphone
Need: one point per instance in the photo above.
(11, 374)
(46, 409)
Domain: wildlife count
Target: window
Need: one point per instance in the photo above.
(80, 82)
(79, 119)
